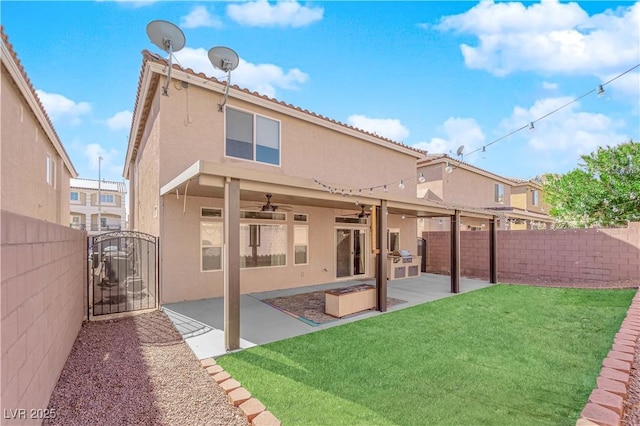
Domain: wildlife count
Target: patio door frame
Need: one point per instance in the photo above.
(352, 255)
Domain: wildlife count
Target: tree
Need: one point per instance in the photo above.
(604, 191)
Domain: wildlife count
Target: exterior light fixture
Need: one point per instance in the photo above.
(401, 184)
(448, 168)
(421, 179)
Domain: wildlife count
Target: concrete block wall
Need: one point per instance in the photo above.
(558, 255)
(42, 283)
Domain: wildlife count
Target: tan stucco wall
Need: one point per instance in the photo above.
(146, 169)
(43, 305)
(307, 150)
(181, 278)
(24, 148)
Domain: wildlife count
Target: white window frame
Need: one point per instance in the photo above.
(101, 196)
(71, 196)
(498, 193)
(48, 169)
(254, 143)
(389, 232)
(212, 245)
(306, 243)
(216, 210)
(279, 224)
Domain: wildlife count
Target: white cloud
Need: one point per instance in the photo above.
(282, 14)
(111, 163)
(390, 128)
(262, 78)
(120, 121)
(458, 131)
(548, 37)
(547, 85)
(62, 109)
(200, 17)
(563, 136)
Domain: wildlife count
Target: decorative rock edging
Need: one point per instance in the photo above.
(254, 411)
(606, 403)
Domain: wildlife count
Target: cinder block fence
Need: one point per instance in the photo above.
(610, 254)
(43, 306)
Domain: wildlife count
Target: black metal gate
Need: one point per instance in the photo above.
(122, 273)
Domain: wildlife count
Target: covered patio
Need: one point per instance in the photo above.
(233, 187)
(201, 322)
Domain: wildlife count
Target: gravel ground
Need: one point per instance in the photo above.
(137, 371)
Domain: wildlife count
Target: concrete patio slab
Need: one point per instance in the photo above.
(201, 322)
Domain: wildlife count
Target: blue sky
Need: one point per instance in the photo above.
(430, 74)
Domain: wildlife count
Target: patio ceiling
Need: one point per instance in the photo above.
(206, 179)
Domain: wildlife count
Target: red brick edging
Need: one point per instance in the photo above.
(606, 402)
(255, 411)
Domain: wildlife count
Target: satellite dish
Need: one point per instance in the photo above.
(169, 38)
(166, 36)
(223, 58)
(460, 149)
(227, 60)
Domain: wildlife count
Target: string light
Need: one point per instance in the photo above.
(531, 124)
(421, 179)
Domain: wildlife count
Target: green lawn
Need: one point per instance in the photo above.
(504, 355)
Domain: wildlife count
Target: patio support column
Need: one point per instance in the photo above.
(231, 265)
(381, 259)
(493, 250)
(455, 252)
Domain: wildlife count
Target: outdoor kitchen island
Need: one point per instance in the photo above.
(341, 302)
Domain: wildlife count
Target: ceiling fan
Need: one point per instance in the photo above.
(362, 214)
(268, 207)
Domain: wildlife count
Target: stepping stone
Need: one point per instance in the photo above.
(238, 396)
(221, 377)
(600, 415)
(266, 418)
(251, 408)
(208, 362)
(607, 400)
(610, 373)
(214, 369)
(229, 385)
(612, 386)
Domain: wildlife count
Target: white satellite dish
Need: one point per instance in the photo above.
(223, 58)
(169, 38)
(227, 60)
(460, 150)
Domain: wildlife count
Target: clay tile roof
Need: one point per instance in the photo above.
(149, 56)
(14, 58)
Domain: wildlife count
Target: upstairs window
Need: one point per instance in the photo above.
(51, 171)
(74, 196)
(534, 197)
(252, 137)
(107, 198)
(498, 196)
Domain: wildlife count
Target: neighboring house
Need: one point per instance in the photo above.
(44, 262)
(97, 206)
(527, 196)
(456, 184)
(199, 175)
(35, 168)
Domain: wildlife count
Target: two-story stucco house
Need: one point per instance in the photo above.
(259, 195)
(97, 206)
(456, 184)
(43, 260)
(40, 190)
